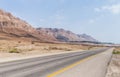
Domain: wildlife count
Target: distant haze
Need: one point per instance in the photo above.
(99, 18)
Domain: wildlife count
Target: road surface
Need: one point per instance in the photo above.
(46, 66)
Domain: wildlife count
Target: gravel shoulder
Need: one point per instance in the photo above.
(114, 67)
(94, 67)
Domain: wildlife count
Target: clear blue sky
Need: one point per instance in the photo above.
(98, 18)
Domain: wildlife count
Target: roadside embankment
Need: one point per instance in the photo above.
(14, 50)
(114, 67)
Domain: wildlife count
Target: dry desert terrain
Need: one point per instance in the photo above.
(10, 48)
(114, 66)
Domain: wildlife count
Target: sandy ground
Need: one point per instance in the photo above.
(27, 47)
(114, 67)
(12, 50)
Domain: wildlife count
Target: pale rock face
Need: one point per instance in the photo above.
(12, 25)
(8, 21)
(64, 35)
(15, 26)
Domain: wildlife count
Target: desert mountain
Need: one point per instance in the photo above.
(15, 27)
(64, 35)
(86, 37)
(12, 27)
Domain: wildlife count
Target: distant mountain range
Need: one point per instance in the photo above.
(12, 27)
(64, 35)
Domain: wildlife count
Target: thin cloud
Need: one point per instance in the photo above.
(114, 9)
(112, 1)
(91, 21)
(97, 9)
(62, 1)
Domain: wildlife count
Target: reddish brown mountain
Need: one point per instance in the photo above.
(12, 27)
(64, 35)
(16, 27)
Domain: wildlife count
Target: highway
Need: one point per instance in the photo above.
(44, 66)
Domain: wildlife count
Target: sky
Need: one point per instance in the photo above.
(98, 18)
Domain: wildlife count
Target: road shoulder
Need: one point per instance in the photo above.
(95, 67)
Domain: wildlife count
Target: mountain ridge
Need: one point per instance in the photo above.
(16, 27)
(66, 35)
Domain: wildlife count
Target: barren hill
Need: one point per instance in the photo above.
(64, 35)
(12, 27)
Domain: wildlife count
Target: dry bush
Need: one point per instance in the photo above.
(14, 50)
(59, 48)
(24, 47)
(116, 50)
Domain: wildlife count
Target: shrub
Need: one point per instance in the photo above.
(116, 52)
(53, 48)
(19, 41)
(14, 50)
(57, 48)
(32, 42)
(90, 47)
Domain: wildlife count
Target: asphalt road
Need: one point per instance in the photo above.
(43, 66)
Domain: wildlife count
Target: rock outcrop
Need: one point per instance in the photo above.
(15, 27)
(64, 35)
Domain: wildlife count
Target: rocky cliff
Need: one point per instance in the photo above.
(64, 35)
(15, 27)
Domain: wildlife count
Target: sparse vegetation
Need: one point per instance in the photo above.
(8, 46)
(90, 47)
(32, 42)
(60, 48)
(14, 50)
(116, 51)
(19, 41)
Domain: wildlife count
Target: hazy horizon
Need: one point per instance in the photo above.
(98, 18)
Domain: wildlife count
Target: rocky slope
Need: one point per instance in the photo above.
(64, 35)
(114, 67)
(86, 37)
(11, 26)
(15, 27)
